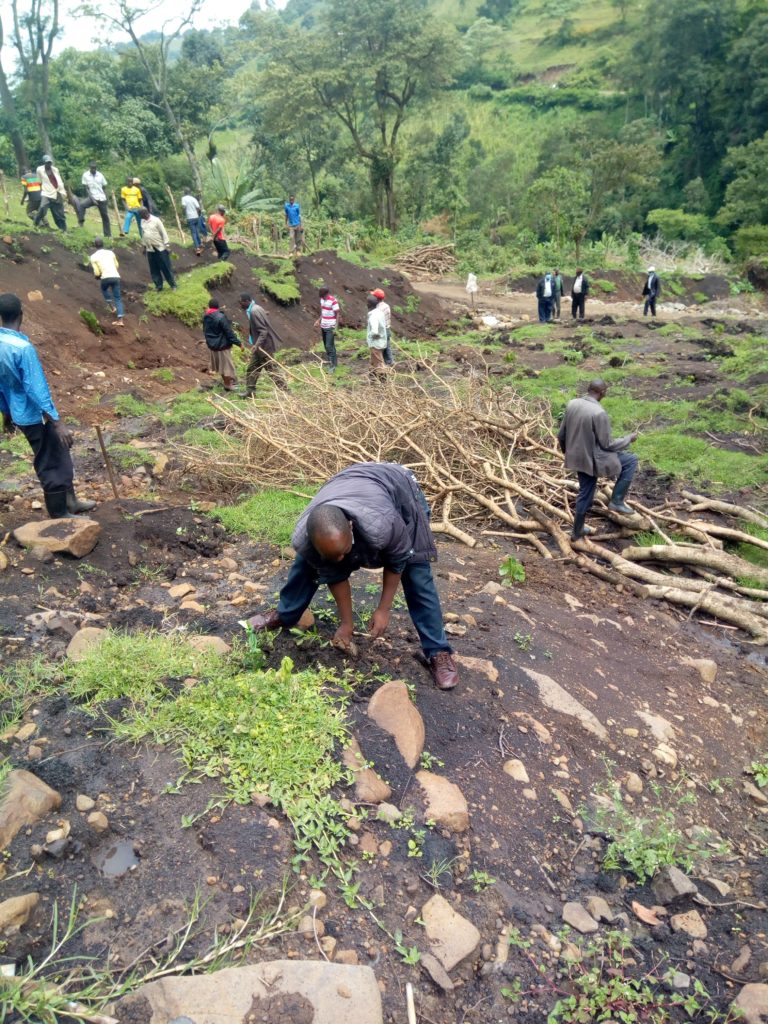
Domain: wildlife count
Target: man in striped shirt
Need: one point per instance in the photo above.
(328, 321)
(384, 307)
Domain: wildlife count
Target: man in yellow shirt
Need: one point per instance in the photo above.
(131, 196)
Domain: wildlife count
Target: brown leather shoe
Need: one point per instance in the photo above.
(444, 670)
(269, 621)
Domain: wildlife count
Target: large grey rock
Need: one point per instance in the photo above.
(24, 800)
(304, 991)
(671, 885)
(77, 536)
(753, 1003)
(392, 709)
(554, 696)
(452, 937)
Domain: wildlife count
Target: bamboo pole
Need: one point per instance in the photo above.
(5, 194)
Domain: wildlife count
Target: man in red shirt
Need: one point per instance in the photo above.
(217, 222)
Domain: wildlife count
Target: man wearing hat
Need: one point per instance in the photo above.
(651, 291)
(379, 293)
(53, 192)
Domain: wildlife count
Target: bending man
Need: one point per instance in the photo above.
(585, 440)
(26, 403)
(370, 515)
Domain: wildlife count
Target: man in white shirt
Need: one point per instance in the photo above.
(104, 263)
(54, 193)
(154, 238)
(95, 195)
(384, 308)
(193, 213)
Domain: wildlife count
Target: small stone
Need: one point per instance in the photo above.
(347, 956)
(679, 982)
(209, 643)
(762, 969)
(722, 887)
(98, 821)
(491, 587)
(760, 798)
(307, 619)
(599, 909)
(84, 640)
(632, 733)
(691, 923)
(26, 732)
(370, 788)
(24, 801)
(328, 945)
(4, 563)
(516, 769)
(181, 590)
(529, 794)
(753, 1003)
(385, 848)
(14, 912)
(446, 804)
(741, 962)
(192, 606)
(665, 755)
(579, 918)
(670, 885)
(633, 783)
(455, 629)
(564, 800)
(436, 971)
(41, 554)
(699, 948)
(706, 668)
(482, 665)
(452, 937)
(160, 465)
(388, 813)
(317, 898)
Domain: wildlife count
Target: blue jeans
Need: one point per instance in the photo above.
(202, 226)
(131, 215)
(588, 484)
(418, 587)
(112, 284)
(545, 310)
(194, 230)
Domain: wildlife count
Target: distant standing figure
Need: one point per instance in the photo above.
(376, 336)
(293, 221)
(53, 192)
(104, 264)
(146, 199)
(579, 293)
(32, 184)
(193, 212)
(217, 222)
(328, 321)
(559, 288)
(26, 404)
(651, 291)
(585, 440)
(157, 247)
(264, 340)
(131, 196)
(95, 195)
(220, 337)
(384, 307)
(545, 293)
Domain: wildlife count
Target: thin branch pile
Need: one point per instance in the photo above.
(489, 465)
(428, 259)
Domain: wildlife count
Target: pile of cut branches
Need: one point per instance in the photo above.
(489, 465)
(428, 259)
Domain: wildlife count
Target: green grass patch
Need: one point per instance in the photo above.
(14, 469)
(608, 287)
(190, 301)
(164, 375)
(91, 321)
(129, 458)
(130, 406)
(532, 332)
(15, 444)
(266, 515)
(750, 357)
(279, 281)
(700, 298)
(188, 408)
(673, 286)
(201, 437)
(691, 458)
(750, 553)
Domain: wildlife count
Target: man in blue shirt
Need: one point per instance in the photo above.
(26, 403)
(293, 221)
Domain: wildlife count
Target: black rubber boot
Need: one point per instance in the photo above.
(56, 504)
(617, 503)
(578, 526)
(76, 505)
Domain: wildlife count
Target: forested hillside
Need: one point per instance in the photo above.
(523, 130)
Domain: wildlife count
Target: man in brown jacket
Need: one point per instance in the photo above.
(264, 339)
(585, 440)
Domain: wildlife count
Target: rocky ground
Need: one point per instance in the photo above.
(480, 820)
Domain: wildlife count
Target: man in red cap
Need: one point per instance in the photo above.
(379, 294)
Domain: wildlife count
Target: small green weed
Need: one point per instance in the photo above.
(480, 880)
(409, 954)
(266, 515)
(412, 303)
(91, 321)
(700, 298)
(164, 374)
(511, 571)
(429, 761)
(130, 406)
(524, 640)
(129, 458)
(759, 769)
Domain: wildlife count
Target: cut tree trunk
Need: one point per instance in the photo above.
(721, 561)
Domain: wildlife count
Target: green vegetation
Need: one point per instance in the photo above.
(511, 571)
(129, 458)
(188, 408)
(279, 281)
(91, 321)
(266, 515)
(190, 300)
(131, 407)
(696, 460)
(759, 769)
(164, 374)
(532, 332)
(201, 437)
(608, 287)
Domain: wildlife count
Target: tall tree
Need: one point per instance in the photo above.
(35, 29)
(155, 60)
(11, 113)
(367, 64)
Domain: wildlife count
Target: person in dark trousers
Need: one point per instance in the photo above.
(154, 238)
(26, 404)
(95, 185)
(585, 440)
(217, 222)
(220, 338)
(328, 321)
(53, 194)
(579, 293)
(105, 270)
(263, 339)
(557, 279)
(370, 515)
(651, 291)
(146, 199)
(292, 212)
(385, 308)
(33, 192)
(545, 293)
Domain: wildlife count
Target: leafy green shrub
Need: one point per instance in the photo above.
(759, 769)
(279, 281)
(676, 224)
(605, 286)
(751, 241)
(512, 571)
(265, 515)
(700, 298)
(190, 300)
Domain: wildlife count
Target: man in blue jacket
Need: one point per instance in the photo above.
(370, 515)
(26, 403)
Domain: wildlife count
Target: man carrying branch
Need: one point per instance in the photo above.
(370, 515)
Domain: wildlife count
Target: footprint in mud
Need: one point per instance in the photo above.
(116, 858)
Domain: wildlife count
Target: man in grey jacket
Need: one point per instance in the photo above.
(585, 440)
(370, 515)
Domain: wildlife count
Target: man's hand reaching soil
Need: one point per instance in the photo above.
(379, 622)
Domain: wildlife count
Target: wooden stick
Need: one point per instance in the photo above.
(117, 212)
(409, 1003)
(182, 239)
(107, 462)
(5, 194)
